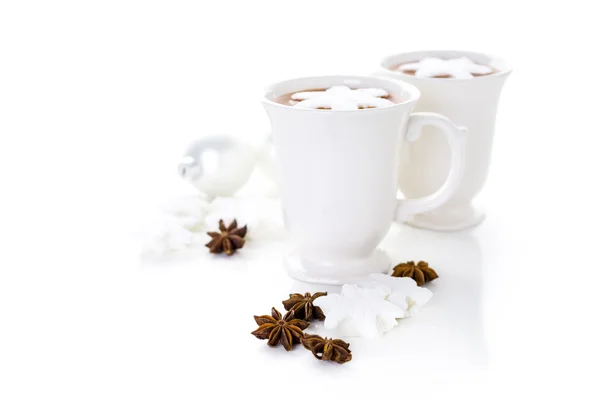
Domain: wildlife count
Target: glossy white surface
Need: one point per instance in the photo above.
(469, 102)
(339, 173)
(97, 102)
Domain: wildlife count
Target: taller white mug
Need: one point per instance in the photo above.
(426, 164)
(339, 175)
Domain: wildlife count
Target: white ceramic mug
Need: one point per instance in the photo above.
(426, 163)
(339, 176)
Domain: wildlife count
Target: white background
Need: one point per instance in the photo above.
(98, 100)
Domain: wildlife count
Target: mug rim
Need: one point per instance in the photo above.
(404, 87)
(503, 68)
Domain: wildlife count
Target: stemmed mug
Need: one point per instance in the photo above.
(339, 175)
(472, 103)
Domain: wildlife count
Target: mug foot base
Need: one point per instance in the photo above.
(449, 221)
(336, 273)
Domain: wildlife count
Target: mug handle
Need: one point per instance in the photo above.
(457, 139)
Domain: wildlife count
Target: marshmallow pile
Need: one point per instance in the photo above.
(342, 98)
(373, 305)
(431, 67)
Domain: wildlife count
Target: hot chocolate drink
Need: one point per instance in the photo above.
(433, 67)
(465, 87)
(337, 163)
(341, 98)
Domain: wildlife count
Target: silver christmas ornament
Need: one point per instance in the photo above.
(217, 165)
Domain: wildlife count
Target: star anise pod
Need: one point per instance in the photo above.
(420, 272)
(228, 240)
(328, 349)
(285, 330)
(303, 307)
